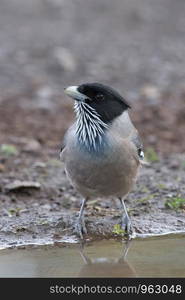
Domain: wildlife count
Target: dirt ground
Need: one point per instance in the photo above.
(135, 46)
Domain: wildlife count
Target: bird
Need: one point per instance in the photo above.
(102, 150)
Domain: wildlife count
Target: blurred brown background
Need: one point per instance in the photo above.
(136, 46)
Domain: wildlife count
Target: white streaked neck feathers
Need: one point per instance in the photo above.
(90, 129)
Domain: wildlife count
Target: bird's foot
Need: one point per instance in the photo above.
(80, 227)
(127, 227)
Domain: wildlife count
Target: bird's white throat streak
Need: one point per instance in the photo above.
(90, 129)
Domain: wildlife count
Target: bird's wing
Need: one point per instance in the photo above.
(124, 128)
(62, 154)
(63, 149)
(136, 141)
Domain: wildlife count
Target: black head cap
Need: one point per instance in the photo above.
(107, 102)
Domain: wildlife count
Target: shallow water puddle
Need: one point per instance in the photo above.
(162, 257)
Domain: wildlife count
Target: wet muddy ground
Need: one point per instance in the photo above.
(46, 45)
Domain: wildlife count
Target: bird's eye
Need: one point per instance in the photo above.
(99, 97)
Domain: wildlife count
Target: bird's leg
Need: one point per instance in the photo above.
(85, 258)
(126, 221)
(80, 224)
(125, 251)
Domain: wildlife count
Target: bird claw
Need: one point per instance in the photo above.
(80, 227)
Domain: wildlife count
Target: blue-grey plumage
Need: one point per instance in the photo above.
(103, 150)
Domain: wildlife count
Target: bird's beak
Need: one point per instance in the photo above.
(72, 91)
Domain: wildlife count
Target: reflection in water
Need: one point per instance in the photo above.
(107, 267)
(163, 257)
